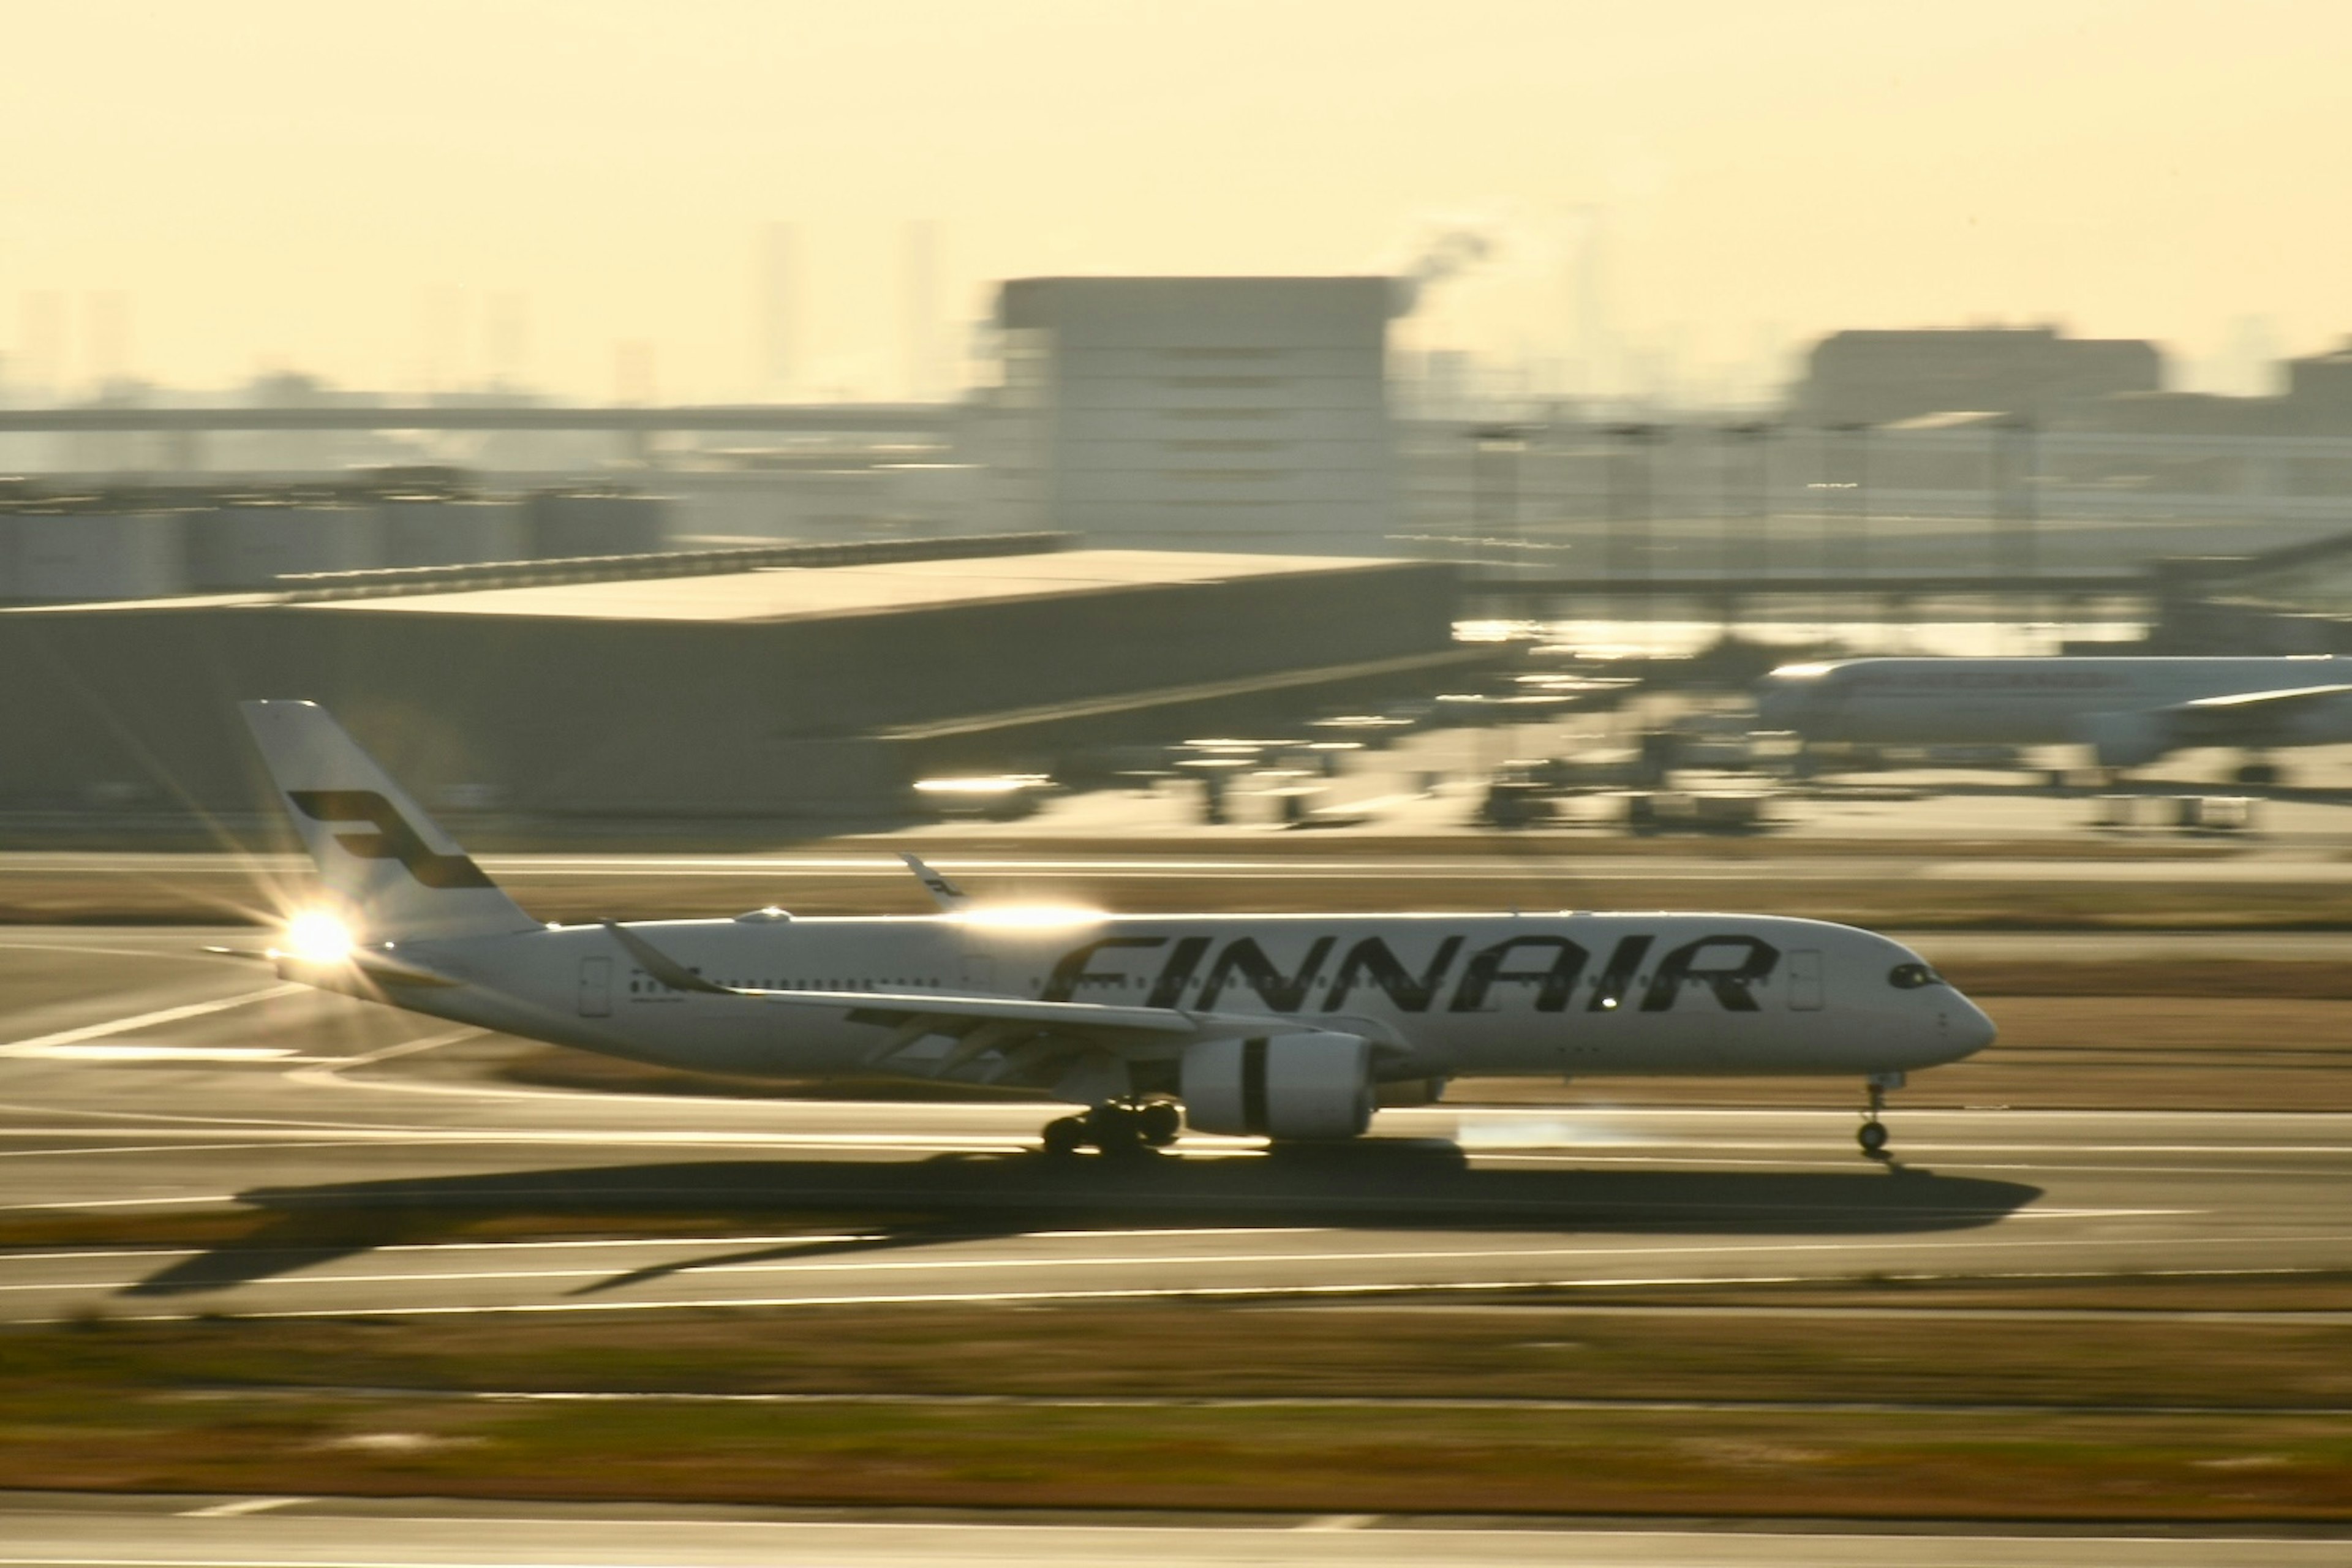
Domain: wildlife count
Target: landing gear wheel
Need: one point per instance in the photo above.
(1114, 1128)
(1065, 1136)
(1158, 1122)
(1872, 1135)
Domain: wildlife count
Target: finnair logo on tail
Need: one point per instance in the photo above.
(394, 839)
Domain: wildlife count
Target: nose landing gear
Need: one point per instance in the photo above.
(2258, 772)
(1873, 1134)
(1117, 1127)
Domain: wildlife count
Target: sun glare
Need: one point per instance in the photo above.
(1035, 915)
(314, 936)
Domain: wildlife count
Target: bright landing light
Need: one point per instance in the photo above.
(314, 936)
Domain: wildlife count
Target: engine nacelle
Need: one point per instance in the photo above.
(2126, 739)
(1283, 1086)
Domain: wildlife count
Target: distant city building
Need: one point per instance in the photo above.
(1877, 378)
(2317, 402)
(2319, 388)
(1214, 413)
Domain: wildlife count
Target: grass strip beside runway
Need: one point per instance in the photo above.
(2248, 1424)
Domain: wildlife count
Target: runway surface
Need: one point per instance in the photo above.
(139, 1077)
(279, 1533)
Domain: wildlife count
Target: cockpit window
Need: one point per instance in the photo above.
(1911, 976)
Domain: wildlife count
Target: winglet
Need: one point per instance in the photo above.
(944, 893)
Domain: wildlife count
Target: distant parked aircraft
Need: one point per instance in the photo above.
(2128, 711)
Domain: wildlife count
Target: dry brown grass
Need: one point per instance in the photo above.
(2250, 1425)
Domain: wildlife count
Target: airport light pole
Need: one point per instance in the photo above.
(2016, 544)
(1843, 489)
(1495, 481)
(1629, 479)
(1746, 510)
(2016, 548)
(1849, 470)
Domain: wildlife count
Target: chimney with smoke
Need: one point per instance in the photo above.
(1446, 255)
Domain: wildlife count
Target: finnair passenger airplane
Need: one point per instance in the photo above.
(1290, 1026)
(2129, 711)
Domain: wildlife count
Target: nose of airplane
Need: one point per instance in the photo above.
(1966, 1027)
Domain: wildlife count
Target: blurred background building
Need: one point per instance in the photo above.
(1239, 504)
(1879, 377)
(745, 691)
(1200, 413)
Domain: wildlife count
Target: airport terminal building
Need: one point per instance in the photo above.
(783, 693)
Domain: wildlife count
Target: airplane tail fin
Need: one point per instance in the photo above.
(380, 856)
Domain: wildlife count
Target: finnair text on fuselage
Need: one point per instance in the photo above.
(1439, 994)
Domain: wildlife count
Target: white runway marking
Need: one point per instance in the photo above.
(1138, 1293)
(243, 1507)
(194, 1199)
(42, 1045)
(331, 1067)
(554, 1542)
(193, 952)
(144, 1051)
(1190, 1261)
(244, 1147)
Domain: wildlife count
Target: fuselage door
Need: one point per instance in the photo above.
(596, 987)
(1805, 979)
(979, 965)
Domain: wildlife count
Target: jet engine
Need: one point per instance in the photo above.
(1283, 1086)
(2126, 739)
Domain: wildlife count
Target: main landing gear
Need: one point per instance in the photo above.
(1118, 1128)
(1873, 1135)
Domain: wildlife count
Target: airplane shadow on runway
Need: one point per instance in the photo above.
(1380, 1183)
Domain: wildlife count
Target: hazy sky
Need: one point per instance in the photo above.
(198, 189)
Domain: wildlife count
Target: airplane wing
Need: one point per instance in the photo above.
(1027, 1036)
(2252, 718)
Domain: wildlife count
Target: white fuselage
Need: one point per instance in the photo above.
(2014, 702)
(1438, 995)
